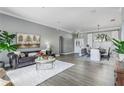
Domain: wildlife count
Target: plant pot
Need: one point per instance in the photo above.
(3, 57)
(121, 57)
(0, 57)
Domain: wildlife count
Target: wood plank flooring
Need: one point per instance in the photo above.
(83, 73)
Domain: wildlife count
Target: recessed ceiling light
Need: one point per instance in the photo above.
(93, 11)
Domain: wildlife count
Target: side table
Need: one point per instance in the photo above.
(2, 64)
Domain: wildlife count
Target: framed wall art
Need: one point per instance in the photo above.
(28, 40)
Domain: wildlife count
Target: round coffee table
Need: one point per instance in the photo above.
(45, 64)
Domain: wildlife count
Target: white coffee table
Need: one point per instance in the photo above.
(45, 64)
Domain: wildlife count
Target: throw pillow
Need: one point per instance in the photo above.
(40, 53)
(22, 55)
(32, 54)
(17, 53)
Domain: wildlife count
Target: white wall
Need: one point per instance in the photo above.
(122, 31)
(122, 28)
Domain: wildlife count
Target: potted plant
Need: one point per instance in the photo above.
(6, 42)
(119, 48)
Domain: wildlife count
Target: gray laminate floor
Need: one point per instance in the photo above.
(83, 73)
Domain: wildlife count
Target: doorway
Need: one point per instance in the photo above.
(60, 45)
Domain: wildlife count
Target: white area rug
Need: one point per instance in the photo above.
(29, 76)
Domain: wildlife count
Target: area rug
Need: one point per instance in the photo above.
(29, 76)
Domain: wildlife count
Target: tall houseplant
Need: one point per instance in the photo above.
(119, 48)
(6, 41)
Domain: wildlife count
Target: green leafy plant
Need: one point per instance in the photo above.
(6, 41)
(119, 46)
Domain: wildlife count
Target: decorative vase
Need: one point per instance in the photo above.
(121, 57)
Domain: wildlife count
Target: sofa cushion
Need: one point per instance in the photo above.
(22, 55)
(32, 54)
(26, 59)
(17, 53)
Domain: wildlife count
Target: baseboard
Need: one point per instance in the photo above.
(57, 55)
(67, 53)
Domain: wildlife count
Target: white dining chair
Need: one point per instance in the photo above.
(95, 55)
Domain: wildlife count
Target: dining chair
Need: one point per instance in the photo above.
(106, 54)
(95, 55)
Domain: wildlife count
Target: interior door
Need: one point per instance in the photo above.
(90, 40)
(79, 43)
(60, 45)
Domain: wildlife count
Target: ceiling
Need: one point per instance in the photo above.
(70, 19)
